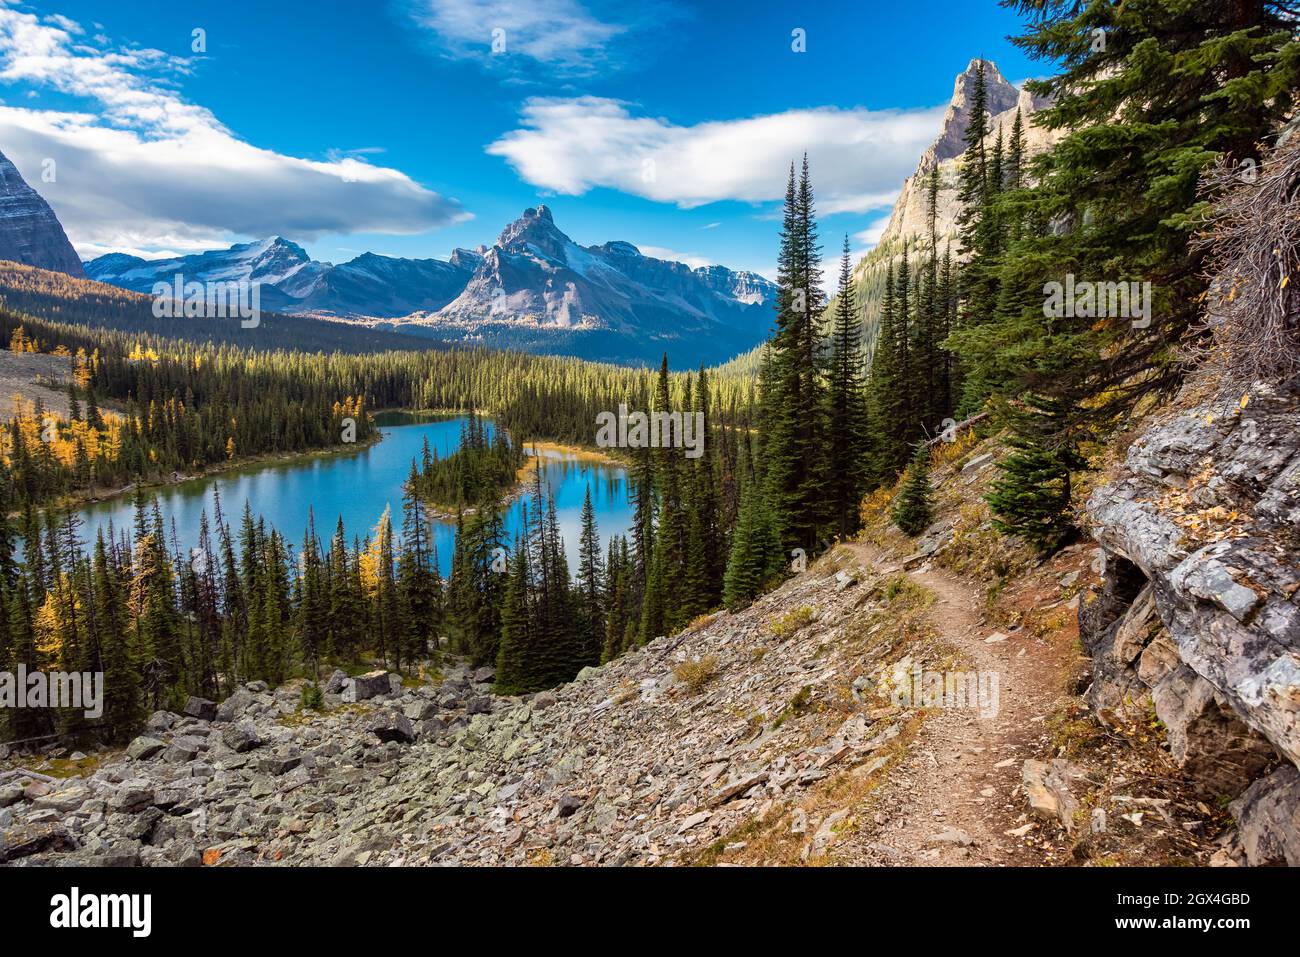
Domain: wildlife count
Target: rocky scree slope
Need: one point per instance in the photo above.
(651, 759)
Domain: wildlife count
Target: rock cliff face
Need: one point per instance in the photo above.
(908, 228)
(1198, 615)
(29, 231)
(909, 216)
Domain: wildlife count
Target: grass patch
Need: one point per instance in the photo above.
(798, 705)
(695, 673)
(791, 622)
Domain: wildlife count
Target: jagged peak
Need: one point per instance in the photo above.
(535, 226)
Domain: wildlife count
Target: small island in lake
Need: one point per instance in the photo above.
(485, 466)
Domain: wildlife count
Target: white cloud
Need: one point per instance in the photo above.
(694, 260)
(149, 171)
(562, 34)
(859, 203)
(59, 20)
(870, 237)
(858, 157)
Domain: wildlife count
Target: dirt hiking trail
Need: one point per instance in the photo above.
(954, 797)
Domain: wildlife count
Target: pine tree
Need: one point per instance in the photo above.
(313, 600)
(1146, 97)
(122, 702)
(1032, 497)
(24, 723)
(591, 584)
(757, 558)
(417, 576)
(704, 562)
(846, 425)
(517, 670)
(794, 386)
(911, 512)
(669, 563)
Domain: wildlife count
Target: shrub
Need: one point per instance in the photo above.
(1253, 239)
(791, 622)
(313, 698)
(695, 673)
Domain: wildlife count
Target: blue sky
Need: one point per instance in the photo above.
(391, 126)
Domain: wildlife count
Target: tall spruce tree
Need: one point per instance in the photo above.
(794, 384)
(591, 585)
(846, 422)
(911, 511)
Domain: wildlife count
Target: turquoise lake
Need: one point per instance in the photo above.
(358, 486)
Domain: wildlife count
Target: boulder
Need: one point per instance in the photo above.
(433, 727)
(485, 675)
(145, 747)
(389, 725)
(568, 805)
(132, 797)
(179, 753)
(421, 710)
(234, 707)
(160, 721)
(278, 764)
(334, 684)
(480, 704)
(241, 737)
(201, 708)
(1048, 788)
(367, 686)
(32, 839)
(64, 800)
(1268, 819)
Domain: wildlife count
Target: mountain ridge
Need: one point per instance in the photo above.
(534, 289)
(32, 234)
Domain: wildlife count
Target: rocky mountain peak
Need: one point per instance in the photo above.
(618, 247)
(30, 233)
(535, 227)
(1002, 96)
(276, 257)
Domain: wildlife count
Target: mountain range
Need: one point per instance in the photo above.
(534, 289)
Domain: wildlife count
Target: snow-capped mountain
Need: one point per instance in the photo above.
(30, 233)
(293, 282)
(534, 289)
